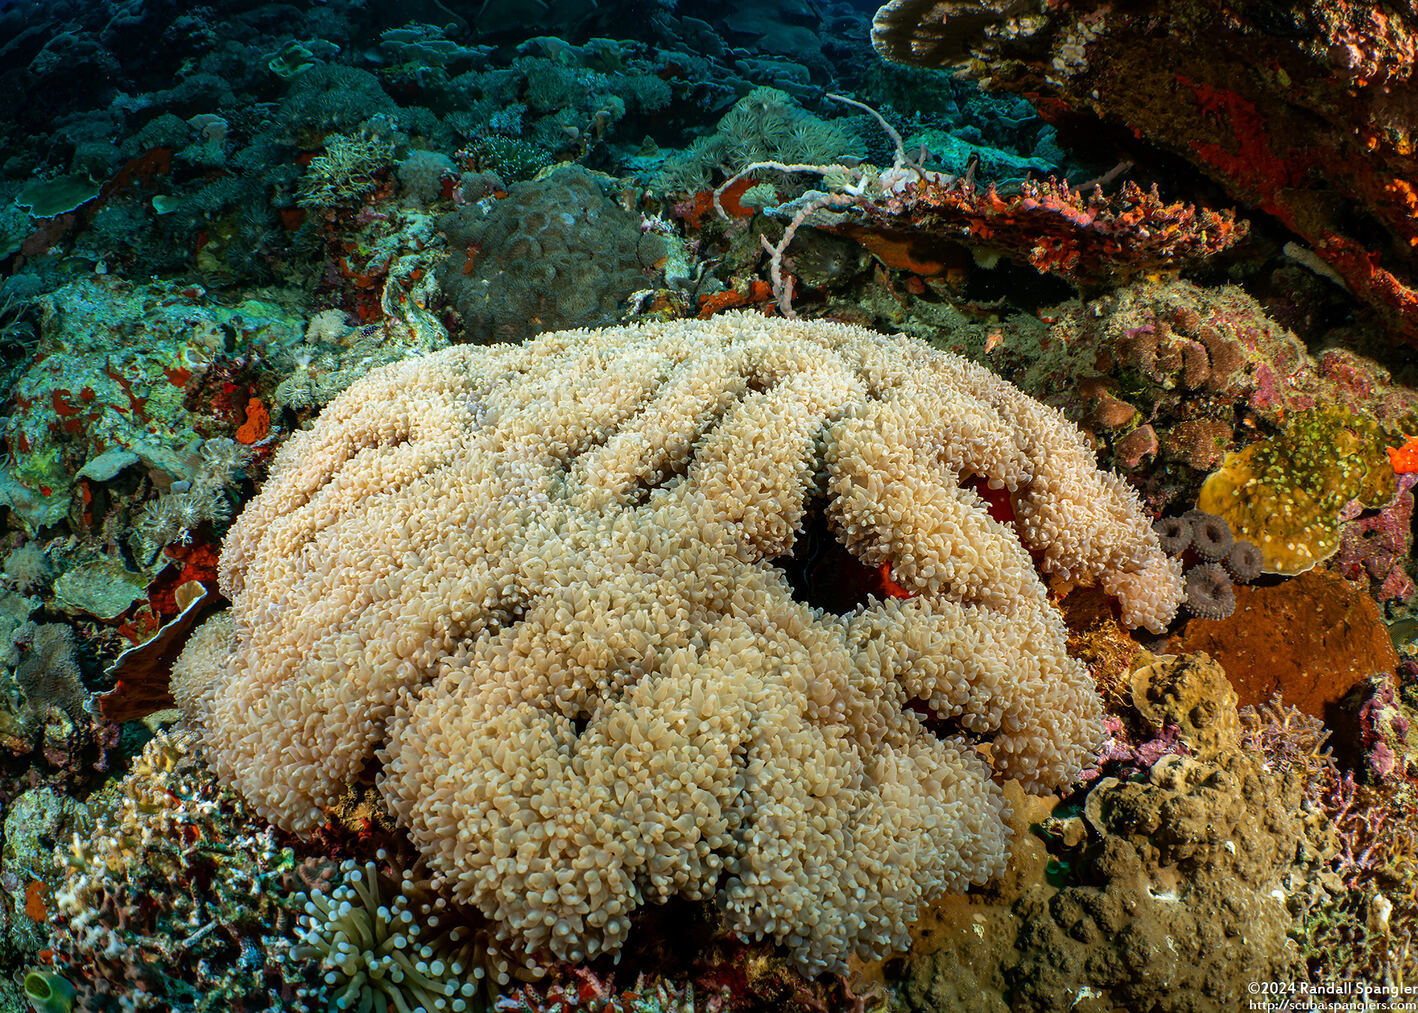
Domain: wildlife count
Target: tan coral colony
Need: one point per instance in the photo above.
(537, 584)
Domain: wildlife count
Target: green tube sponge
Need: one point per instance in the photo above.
(49, 992)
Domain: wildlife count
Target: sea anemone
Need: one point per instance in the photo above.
(1211, 535)
(387, 942)
(1244, 562)
(1209, 592)
(1174, 534)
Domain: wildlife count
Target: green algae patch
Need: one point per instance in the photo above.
(1288, 493)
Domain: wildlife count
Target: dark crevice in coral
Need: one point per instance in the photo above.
(757, 383)
(665, 478)
(821, 572)
(945, 727)
(1020, 284)
(672, 474)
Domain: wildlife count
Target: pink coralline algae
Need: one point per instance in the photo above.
(1383, 731)
(1122, 757)
(1375, 548)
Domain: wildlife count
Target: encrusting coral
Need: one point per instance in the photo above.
(546, 587)
(1288, 494)
(1183, 881)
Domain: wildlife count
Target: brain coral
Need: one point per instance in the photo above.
(555, 252)
(538, 585)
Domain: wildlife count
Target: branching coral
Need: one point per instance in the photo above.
(903, 213)
(1364, 926)
(177, 898)
(348, 169)
(546, 586)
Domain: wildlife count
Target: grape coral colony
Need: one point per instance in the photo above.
(602, 609)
